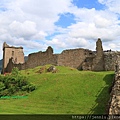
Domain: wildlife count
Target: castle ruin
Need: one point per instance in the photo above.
(13, 54)
(82, 59)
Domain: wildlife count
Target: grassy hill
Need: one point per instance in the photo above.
(68, 91)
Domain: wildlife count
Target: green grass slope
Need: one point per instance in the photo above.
(68, 91)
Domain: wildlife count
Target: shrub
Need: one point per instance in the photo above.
(14, 83)
(22, 81)
(28, 88)
(11, 90)
(4, 92)
(2, 86)
(15, 71)
(31, 87)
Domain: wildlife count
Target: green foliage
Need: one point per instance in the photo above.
(10, 84)
(28, 88)
(2, 86)
(15, 71)
(4, 92)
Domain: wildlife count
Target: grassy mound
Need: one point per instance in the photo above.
(65, 92)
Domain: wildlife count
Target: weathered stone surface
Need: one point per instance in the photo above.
(87, 65)
(74, 57)
(99, 48)
(98, 61)
(114, 108)
(11, 53)
(40, 59)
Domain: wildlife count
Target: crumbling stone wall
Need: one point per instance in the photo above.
(74, 57)
(98, 61)
(87, 64)
(82, 59)
(110, 60)
(40, 58)
(114, 103)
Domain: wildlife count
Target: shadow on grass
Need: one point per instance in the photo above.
(103, 96)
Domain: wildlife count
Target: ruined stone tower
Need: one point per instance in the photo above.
(98, 61)
(11, 53)
(99, 48)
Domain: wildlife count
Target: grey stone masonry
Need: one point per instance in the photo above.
(98, 62)
(114, 108)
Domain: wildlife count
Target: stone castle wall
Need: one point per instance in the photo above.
(82, 59)
(110, 60)
(114, 102)
(74, 57)
(39, 59)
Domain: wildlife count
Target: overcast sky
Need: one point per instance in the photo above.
(62, 24)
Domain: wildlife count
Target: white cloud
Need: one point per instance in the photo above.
(77, 42)
(27, 23)
(25, 29)
(23, 20)
(112, 45)
(113, 5)
(57, 43)
(90, 25)
(101, 22)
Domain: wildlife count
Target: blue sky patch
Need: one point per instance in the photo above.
(52, 35)
(65, 20)
(88, 4)
(3, 9)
